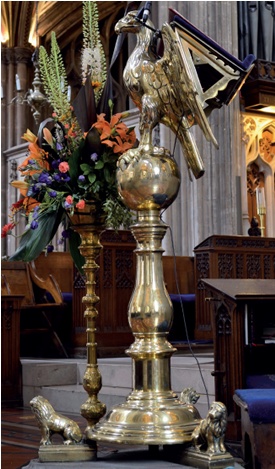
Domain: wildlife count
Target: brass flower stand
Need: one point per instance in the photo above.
(90, 223)
(152, 413)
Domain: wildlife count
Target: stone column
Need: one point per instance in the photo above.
(15, 117)
(210, 205)
(16, 60)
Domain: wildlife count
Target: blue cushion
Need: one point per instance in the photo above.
(67, 297)
(260, 404)
(183, 304)
(260, 381)
(188, 298)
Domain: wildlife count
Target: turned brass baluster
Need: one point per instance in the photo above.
(90, 226)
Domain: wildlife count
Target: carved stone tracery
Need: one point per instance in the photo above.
(259, 139)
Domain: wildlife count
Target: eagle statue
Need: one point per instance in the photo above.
(166, 88)
(162, 90)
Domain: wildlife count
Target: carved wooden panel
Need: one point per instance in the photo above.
(115, 283)
(11, 377)
(229, 257)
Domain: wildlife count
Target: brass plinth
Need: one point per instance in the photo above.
(152, 414)
(89, 223)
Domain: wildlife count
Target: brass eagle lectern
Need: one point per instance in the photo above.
(166, 90)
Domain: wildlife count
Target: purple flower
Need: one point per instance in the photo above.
(36, 187)
(67, 205)
(34, 225)
(55, 164)
(65, 234)
(59, 146)
(35, 213)
(57, 177)
(81, 178)
(61, 177)
(31, 161)
(50, 248)
(64, 177)
(53, 194)
(44, 178)
(94, 157)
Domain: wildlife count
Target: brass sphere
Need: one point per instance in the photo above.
(148, 180)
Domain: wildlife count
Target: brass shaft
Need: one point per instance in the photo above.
(92, 410)
(152, 414)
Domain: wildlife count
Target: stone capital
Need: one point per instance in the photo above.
(15, 55)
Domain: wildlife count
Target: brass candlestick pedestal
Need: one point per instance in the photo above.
(152, 414)
(89, 223)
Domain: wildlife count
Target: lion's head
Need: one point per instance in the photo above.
(41, 408)
(217, 416)
(189, 396)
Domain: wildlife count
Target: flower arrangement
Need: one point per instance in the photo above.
(73, 158)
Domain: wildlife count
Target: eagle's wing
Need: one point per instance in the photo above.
(180, 80)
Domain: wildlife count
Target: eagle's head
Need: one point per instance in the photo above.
(129, 23)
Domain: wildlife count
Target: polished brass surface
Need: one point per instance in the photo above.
(162, 89)
(51, 422)
(262, 212)
(61, 453)
(89, 223)
(147, 180)
(152, 414)
(192, 457)
(209, 435)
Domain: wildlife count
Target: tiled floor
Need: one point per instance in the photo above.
(20, 438)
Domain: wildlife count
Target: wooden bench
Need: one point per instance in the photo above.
(42, 309)
(258, 426)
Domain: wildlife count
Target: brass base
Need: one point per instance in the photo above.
(194, 458)
(151, 420)
(67, 453)
(148, 417)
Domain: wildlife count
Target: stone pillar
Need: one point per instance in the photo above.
(15, 118)
(210, 205)
(16, 60)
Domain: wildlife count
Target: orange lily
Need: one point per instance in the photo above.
(118, 145)
(36, 153)
(29, 137)
(48, 136)
(105, 128)
(29, 204)
(22, 185)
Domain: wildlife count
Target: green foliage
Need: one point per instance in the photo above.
(33, 242)
(117, 214)
(54, 78)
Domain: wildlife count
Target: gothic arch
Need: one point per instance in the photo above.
(259, 138)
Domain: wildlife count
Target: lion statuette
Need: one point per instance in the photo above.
(209, 435)
(189, 396)
(51, 422)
